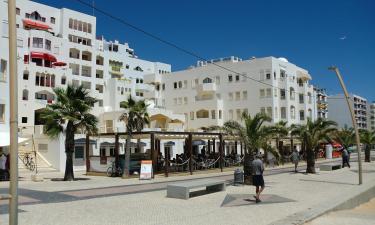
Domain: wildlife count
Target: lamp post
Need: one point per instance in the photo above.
(13, 110)
(336, 70)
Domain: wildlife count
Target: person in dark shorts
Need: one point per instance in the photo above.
(258, 180)
(345, 157)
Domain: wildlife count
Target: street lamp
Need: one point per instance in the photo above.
(336, 70)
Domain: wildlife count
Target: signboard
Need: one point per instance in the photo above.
(146, 170)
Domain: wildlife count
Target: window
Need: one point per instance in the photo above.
(262, 93)
(220, 114)
(292, 112)
(207, 80)
(185, 84)
(238, 113)
(274, 75)
(191, 115)
(24, 119)
(263, 110)
(79, 152)
(282, 94)
(185, 100)
(283, 112)
(268, 76)
(25, 95)
(292, 93)
(3, 70)
(180, 84)
(237, 78)
(230, 96)
(48, 44)
(25, 75)
(37, 42)
(282, 74)
(244, 95)
(302, 115)
(238, 95)
(18, 11)
(230, 78)
(213, 114)
(301, 98)
(163, 86)
(52, 20)
(268, 92)
(2, 113)
(309, 97)
(275, 92)
(175, 85)
(63, 80)
(102, 152)
(269, 111)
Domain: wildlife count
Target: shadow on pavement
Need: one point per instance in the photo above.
(327, 181)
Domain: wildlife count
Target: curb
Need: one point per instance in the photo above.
(364, 195)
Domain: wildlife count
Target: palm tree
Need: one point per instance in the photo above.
(280, 130)
(312, 135)
(253, 134)
(135, 118)
(142, 120)
(70, 114)
(368, 139)
(345, 137)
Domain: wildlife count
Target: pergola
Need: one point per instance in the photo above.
(156, 136)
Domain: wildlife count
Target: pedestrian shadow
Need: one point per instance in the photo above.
(233, 200)
(327, 181)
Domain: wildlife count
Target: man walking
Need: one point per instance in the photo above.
(258, 180)
(345, 158)
(295, 158)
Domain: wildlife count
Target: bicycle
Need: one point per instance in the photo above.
(114, 171)
(28, 161)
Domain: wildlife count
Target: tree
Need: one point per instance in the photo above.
(135, 118)
(368, 139)
(253, 134)
(69, 115)
(280, 131)
(345, 137)
(312, 135)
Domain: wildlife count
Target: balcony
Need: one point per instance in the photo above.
(153, 78)
(152, 94)
(206, 88)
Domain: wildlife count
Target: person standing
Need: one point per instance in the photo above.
(295, 158)
(345, 158)
(258, 180)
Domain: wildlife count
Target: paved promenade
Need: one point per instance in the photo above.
(103, 200)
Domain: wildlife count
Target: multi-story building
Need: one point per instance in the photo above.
(339, 112)
(4, 88)
(321, 102)
(210, 95)
(57, 47)
(372, 116)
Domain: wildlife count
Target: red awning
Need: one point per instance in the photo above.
(34, 24)
(59, 64)
(42, 55)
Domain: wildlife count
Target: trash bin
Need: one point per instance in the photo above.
(238, 177)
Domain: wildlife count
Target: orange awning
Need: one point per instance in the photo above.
(42, 55)
(34, 24)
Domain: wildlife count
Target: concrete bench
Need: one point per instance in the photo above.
(330, 167)
(182, 189)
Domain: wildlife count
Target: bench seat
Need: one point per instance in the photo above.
(182, 189)
(330, 167)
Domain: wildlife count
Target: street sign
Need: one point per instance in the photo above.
(146, 170)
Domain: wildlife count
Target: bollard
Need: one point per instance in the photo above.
(238, 177)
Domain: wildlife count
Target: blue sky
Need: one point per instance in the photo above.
(311, 34)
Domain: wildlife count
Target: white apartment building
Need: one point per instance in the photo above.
(209, 95)
(4, 89)
(339, 111)
(57, 47)
(372, 116)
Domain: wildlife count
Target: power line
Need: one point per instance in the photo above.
(188, 52)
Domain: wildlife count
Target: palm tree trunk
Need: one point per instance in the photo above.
(310, 159)
(247, 167)
(280, 150)
(367, 153)
(127, 155)
(69, 149)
